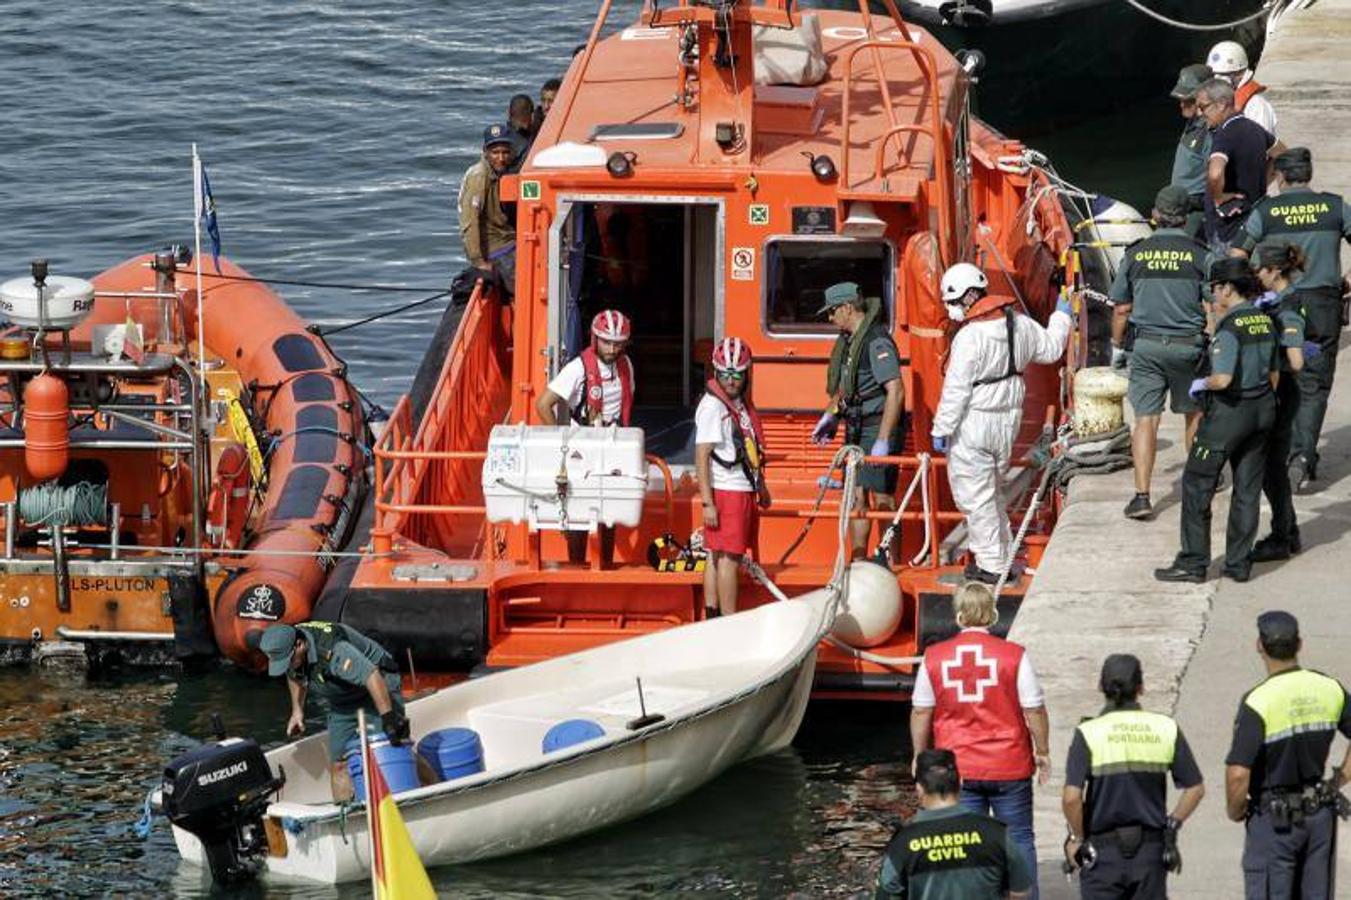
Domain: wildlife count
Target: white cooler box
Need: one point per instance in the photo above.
(606, 472)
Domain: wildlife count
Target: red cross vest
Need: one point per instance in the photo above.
(976, 710)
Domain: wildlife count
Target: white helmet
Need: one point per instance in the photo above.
(1227, 58)
(961, 278)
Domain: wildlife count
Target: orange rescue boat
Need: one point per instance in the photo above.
(710, 170)
(159, 502)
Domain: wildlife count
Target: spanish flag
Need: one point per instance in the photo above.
(396, 870)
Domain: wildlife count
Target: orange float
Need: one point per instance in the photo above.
(46, 431)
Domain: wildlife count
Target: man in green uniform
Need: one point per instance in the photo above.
(1193, 149)
(864, 382)
(1157, 294)
(1115, 787)
(1273, 782)
(1277, 264)
(347, 670)
(1317, 222)
(1240, 408)
(946, 852)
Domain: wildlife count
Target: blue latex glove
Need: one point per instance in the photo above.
(1064, 305)
(940, 444)
(881, 447)
(825, 481)
(825, 429)
(1197, 388)
(1312, 349)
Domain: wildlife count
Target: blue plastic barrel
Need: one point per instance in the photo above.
(397, 764)
(572, 731)
(452, 752)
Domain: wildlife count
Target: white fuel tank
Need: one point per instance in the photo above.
(572, 477)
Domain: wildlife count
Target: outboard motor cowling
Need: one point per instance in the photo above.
(218, 793)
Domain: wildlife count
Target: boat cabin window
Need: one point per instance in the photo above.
(797, 273)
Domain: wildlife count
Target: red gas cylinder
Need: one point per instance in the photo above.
(46, 426)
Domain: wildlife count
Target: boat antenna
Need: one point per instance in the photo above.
(644, 719)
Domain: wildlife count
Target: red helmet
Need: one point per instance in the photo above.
(731, 355)
(611, 325)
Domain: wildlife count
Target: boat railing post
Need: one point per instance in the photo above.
(11, 526)
(115, 532)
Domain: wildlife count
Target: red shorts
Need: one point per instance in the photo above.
(738, 522)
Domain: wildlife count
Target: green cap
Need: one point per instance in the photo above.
(1172, 201)
(1190, 79)
(838, 295)
(278, 642)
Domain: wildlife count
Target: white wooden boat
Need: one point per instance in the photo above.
(729, 689)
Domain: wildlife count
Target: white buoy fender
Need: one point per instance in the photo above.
(871, 610)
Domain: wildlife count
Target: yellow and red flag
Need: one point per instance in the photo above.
(396, 870)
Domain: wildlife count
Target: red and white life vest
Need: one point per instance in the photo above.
(592, 408)
(977, 714)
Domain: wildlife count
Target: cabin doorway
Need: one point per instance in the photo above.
(659, 261)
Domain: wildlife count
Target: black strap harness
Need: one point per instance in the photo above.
(1011, 328)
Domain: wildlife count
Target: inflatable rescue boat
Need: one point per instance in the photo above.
(173, 470)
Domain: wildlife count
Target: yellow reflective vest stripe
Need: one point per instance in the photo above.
(1130, 740)
(1297, 702)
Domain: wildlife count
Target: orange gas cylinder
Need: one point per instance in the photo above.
(46, 427)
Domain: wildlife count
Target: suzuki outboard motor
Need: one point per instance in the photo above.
(218, 792)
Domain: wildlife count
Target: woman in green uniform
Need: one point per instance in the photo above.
(1239, 411)
(1278, 264)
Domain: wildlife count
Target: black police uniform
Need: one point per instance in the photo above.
(1122, 759)
(1282, 734)
(1317, 222)
(1287, 311)
(952, 854)
(1234, 429)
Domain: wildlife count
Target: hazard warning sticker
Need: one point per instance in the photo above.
(743, 263)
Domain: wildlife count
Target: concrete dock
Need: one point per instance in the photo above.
(1095, 594)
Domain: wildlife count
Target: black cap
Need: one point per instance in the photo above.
(1121, 674)
(1277, 625)
(1230, 269)
(1172, 201)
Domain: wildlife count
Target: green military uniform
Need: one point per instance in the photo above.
(1287, 311)
(1282, 735)
(338, 661)
(1318, 222)
(1161, 277)
(952, 854)
(1234, 430)
(1190, 162)
(1121, 761)
(861, 365)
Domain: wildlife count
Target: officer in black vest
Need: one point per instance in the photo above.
(347, 670)
(1274, 777)
(1156, 300)
(946, 852)
(1116, 782)
(1317, 222)
(1240, 409)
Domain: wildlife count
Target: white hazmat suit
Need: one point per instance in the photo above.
(981, 421)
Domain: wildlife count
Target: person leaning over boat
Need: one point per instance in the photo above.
(868, 398)
(595, 388)
(1121, 840)
(1228, 60)
(1193, 147)
(1239, 411)
(1273, 780)
(1317, 221)
(729, 461)
(982, 405)
(1277, 263)
(1236, 173)
(1157, 310)
(978, 695)
(946, 852)
(345, 669)
(487, 230)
